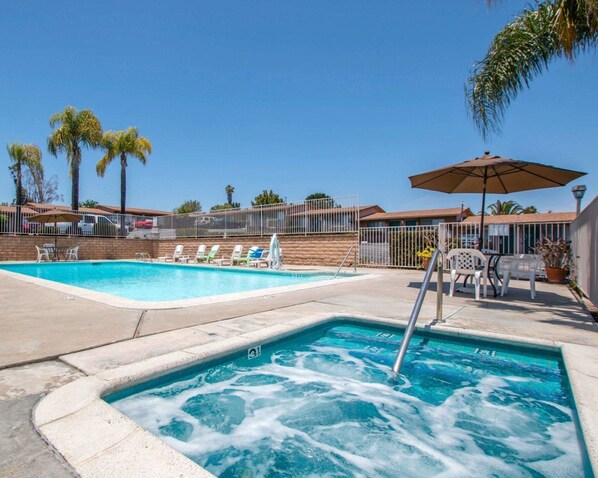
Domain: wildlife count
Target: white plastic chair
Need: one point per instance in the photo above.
(42, 253)
(235, 257)
(468, 262)
(524, 265)
(178, 253)
(201, 253)
(72, 254)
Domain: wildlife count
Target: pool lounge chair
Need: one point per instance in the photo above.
(235, 256)
(178, 252)
(201, 253)
(72, 254)
(211, 255)
(265, 259)
(525, 265)
(42, 253)
(254, 253)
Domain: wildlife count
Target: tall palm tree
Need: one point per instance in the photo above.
(23, 156)
(229, 194)
(123, 144)
(73, 131)
(525, 47)
(500, 208)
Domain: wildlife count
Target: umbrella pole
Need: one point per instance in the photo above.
(481, 243)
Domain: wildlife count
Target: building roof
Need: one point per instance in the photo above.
(546, 217)
(136, 211)
(13, 209)
(335, 210)
(39, 207)
(419, 214)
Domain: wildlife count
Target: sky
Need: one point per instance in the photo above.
(342, 97)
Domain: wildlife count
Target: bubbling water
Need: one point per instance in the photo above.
(327, 407)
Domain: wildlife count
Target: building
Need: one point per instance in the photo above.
(423, 217)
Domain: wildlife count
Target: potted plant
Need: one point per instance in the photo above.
(425, 255)
(556, 256)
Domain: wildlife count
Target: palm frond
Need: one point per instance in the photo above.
(520, 52)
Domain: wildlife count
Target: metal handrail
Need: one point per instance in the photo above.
(343, 262)
(396, 367)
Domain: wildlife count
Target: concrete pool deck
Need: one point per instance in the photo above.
(77, 338)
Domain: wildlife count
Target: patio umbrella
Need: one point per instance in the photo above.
(494, 175)
(55, 216)
(274, 253)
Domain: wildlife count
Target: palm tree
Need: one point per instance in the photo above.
(74, 130)
(549, 30)
(23, 156)
(500, 208)
(123, 144)
(529, 210)
(229, 194)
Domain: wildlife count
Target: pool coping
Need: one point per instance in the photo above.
(124, 303)
(113, 442)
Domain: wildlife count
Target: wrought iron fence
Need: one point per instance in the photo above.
(316, 216)
(509, 238)
(16, 220)
(395, 246)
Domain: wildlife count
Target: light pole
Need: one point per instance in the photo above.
(578, 192)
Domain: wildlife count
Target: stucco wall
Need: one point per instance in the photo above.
(584, 234)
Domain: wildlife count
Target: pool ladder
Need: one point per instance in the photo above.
(396, 368)
(345, 259)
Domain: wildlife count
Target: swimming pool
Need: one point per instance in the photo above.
(324, 404)
(142, 281)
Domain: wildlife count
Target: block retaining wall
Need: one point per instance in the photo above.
(318, 250)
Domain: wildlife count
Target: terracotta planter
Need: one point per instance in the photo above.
(556, 275)
(425, 262)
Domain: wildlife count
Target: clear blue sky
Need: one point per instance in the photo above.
(338, 96)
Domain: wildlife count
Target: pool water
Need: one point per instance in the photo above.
(324, 404)
(161, 282)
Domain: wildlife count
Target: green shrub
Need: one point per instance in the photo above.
(104, 230)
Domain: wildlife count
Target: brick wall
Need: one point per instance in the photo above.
(316, 249)
(22, 248)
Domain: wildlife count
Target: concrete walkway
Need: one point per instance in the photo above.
(71, 338)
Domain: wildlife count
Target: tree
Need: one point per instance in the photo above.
(188, 206)
(74, 130)
(229, 194)
(221, 207)
(41, 190)
(89, 203)
(529, 210)
(266, 197)
(500, 208)
(123, 144)
(23, 156)
(546, 31)
(321, 200)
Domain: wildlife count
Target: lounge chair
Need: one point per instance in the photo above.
(201, 253)
(72, 254)
(211, 255)
(178, 252)
(42, 253)
(468, 262)
(254, 253)
(265, 259)
(235, 256)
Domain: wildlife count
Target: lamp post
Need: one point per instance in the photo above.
(578, 192)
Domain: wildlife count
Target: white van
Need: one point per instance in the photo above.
(87, 224)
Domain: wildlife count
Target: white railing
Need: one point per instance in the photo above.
(395, 246)
(16, 221)
(317, 216)
(510, 238)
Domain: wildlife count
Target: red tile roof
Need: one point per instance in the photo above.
(525, 218)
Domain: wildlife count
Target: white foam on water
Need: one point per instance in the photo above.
(404, 435)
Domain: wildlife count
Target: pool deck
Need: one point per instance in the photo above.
(48, 339)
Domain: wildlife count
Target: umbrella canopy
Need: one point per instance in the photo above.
(55, 216)
(495, 175)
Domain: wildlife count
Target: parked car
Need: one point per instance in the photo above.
(145, 224)
(90, 224)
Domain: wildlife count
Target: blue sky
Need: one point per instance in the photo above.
(343, 97)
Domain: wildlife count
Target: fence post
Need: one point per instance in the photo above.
(440, 286)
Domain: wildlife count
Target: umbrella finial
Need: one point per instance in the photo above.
(486, 153)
